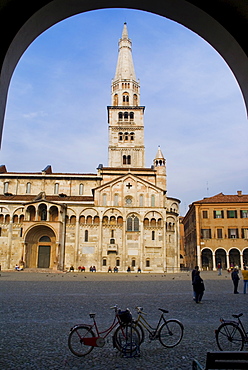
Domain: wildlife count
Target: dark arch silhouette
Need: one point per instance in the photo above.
(224, 24)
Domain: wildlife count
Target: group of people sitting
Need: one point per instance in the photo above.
(115, 269)
(19, 267)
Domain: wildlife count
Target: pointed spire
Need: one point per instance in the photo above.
(159, 159)
(124, 32)
(159, 154)
(125, 67)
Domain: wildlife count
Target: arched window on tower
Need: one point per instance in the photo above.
(125, 98)
(129, 159)
(120, 136)
(135, 100)
(125, 116)
(115, 100)
(120, 115)
(126, 136)
(131, 116)
(124, 159)
(132, 136)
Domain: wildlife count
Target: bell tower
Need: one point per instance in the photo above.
(125, 115)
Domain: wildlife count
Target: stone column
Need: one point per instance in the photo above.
(124, 256)
(9, 245)
(165, 246)
(142, 246)
(227, 261)
(198, 256)
(214, 262)
(99, 246)
(62, 242)
(241, 261)
(76, 256)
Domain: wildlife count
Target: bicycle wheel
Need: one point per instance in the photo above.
(170, 334)
(126, 339)
(140, 329)
(76, 343)
(229, 337)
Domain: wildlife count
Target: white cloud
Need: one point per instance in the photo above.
(57, 102)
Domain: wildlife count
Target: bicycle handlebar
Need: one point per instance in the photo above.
(115, 307)
(140, 310)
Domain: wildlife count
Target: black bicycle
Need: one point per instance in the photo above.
(168, 332)
(231, 335)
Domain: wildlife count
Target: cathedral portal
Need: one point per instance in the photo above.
(40, 248)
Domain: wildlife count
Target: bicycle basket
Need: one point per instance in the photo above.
(125, 316)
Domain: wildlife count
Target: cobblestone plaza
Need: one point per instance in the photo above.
(38, 309)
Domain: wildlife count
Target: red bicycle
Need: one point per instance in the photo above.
(82, 338)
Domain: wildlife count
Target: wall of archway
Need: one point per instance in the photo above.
(223, 24)
(34, 241)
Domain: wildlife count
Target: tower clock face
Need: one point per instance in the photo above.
(128, 200)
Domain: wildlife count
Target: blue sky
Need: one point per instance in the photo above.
(56, 112)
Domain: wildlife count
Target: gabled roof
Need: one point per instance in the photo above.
(122, 178)
(222, 198)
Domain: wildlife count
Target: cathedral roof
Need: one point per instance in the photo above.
(50, 198)
(125, 66)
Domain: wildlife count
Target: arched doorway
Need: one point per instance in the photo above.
(245, 257)
(234, 257)
(220, 257)
(41, 248)
(207, 259)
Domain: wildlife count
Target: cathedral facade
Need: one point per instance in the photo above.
(120, 216)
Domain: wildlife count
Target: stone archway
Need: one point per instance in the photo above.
(220, 257)
(245, 257)
(221, 24)
(234, 257)
(207, 259)
(41, 248)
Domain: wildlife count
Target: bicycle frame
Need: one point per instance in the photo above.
(99, 339)
(151, 330)
(238, 324)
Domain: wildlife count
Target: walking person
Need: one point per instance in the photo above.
(198, 286)
(245, 278)
(192, 278)
(235, 279)
(219, 268)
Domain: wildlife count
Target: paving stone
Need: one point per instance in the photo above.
(38, 310)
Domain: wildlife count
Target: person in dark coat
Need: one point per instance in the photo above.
(192, 278)
(235, 279)
(198, 287)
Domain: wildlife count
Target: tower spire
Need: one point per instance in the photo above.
(125, 115)
(125, 67)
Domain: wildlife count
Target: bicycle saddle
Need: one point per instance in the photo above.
(92, 315)
(237, 316)
(164, 311)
